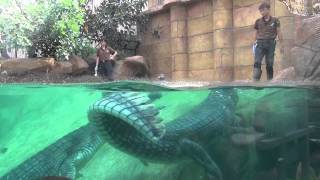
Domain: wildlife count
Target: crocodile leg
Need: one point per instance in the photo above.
(79, 155)
(200, 155)
(61, 158)
(68, 169)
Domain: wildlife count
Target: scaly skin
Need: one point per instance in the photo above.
(61, 158)
(129, 122)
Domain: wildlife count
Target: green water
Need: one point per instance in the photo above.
(34, 116)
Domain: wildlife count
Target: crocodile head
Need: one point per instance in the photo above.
(129, 112)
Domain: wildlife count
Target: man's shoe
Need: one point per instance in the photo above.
(257, 74)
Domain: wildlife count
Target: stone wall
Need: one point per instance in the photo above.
(200, 38)
(157, 49)
(209, 39)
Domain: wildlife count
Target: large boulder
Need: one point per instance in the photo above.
(306, 53)
(23, 66)
(132, 68)
(79, 66)
(287, 74)
(91, 60)
(63, 67)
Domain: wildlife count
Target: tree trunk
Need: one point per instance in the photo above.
(4, 53)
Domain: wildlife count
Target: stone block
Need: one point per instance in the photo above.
(281, 9)
(180, 62)
(223, 57)
(179, 45)
(216, 75)
(225, 74)
(243, 56)
(160, 19)
(201, 61)
(145, 50)
(246, 16)
(272, 7)
(149, 38)
(245, 3)
(202, 75)
(222, 19)
(178, 29)
(244, 36)
(223, 38)
(174, 28)
(288, 27)
(200, 43)
(180, 75)
(162, 49)
(177, 13)
(243, 72)
(222, 4)
(200, 9)
(161, 65)
(199, 25)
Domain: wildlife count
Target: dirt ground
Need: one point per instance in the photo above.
(51, 78)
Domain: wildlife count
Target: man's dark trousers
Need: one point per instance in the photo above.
(107, 69)
(264, 48)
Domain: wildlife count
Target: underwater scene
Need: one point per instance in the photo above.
(145, 131)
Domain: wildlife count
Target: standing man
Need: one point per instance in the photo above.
(267, 29)
(105, 58)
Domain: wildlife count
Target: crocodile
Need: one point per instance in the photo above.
(137, 130)
(62, 158)
(129, 121)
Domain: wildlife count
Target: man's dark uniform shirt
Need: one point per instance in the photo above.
(266, 35)
(267, 29)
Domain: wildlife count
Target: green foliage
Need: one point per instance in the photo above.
(117, 21)
(53, 26)
(14, 26)
(60, 32)
(56, 27)
(84, 48)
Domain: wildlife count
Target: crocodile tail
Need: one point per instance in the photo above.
(135, 109)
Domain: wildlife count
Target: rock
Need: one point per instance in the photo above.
(63, 67)
(286, 74)
(23, 66)
(91, 60)
(132, 67)
(280, 111)
(309, 32)
(306, 53)
(79, 66)
(51, 62)
(136, 58)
